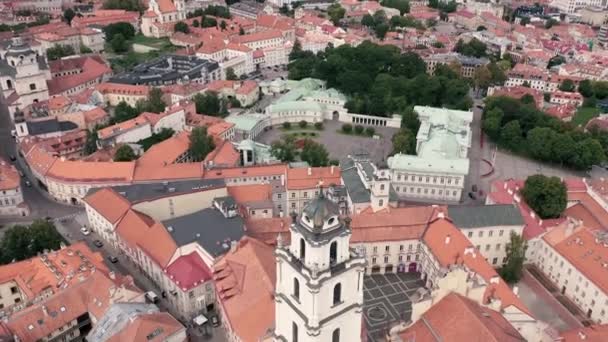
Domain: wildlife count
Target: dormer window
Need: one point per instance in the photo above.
(331, 221)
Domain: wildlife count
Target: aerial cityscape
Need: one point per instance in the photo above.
(304, 170)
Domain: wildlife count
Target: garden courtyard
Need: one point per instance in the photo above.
(338, 144)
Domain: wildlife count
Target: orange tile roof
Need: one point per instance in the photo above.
(93, 69)
(593, 207)
(168, 172)
(166, 6)
(38, 158)
(252, 171)
(217, 129)
(123, 89)
(580, 212)
(95, 115)
(9, 177)
(258, 36)
(122, 127)
(453, 252)
(585, 250)
(109, 204)
(389, 224)
(247, 87)
(35, 275)
(245, 281)
(140, 230)
(298, 178)
(223, 155)
(250, 193)
(58, 102)
(166, 152)
(144, 326)
(211, 46)
(465, 319)
(267, 229)
(593, 333)
(79, 171)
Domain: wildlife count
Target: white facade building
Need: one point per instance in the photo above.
(570, 6)
(319, 289)
(438, 171)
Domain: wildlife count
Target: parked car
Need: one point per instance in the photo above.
(13, 158)
(85, 231)
(113, 259)
(28, 184)
(472, 195)
(151, 297)
(98, 243)
(215, 321)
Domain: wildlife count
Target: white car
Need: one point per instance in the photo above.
(85, 231)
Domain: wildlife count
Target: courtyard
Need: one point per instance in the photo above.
(337, 144)
(386, 299)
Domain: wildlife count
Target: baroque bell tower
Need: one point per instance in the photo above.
(319, 290)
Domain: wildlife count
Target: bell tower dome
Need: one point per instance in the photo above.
(319, 291)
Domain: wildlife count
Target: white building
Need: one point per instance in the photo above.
(570, 6)
(438, 171)
(161, 16)
(11, 196)
(319, 288)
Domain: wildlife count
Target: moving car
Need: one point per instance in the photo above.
(98, 243)
(151, 297)
(85, 231)
(215, 321)
(12, 157)
(113, 259)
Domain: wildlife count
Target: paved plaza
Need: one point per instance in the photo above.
(386, 299)
(340, 145)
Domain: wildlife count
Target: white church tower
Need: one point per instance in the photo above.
(319, 290)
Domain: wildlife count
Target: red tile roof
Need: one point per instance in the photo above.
(389, 225)
(188, 271)
(109, 204)
(594, 333)
(9, 177)
(299, 178)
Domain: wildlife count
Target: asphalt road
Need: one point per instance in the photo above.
(41, 206)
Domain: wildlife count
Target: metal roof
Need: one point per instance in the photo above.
(485, 216)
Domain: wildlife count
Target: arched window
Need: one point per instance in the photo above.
(381, 187)
(294, 332)
(302, 249)
(335, 336)
(337, 293)
(296, 288)
(333, 253)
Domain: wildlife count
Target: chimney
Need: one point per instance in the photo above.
(516, 290)
(332, 169)
(45, 310)
(233, 246)
(582, 335)
(441, 215)
(112, 275)
(494, 280)
(447, 239)
(569, 227)
(310, 171)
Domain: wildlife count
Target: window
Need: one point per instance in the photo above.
(381, 187)
(470, 234)
(497, 246)
(294, 332)
(333, 253)
(494, 261)
(380, 203)
(480, 233)
(375, 249)
(400, 247)
(337, 294)
(279, 196)
(490, 233)
(373, 260)
(335, 336)
(296, 289)
(386, 260)
(487, 248)
(32, 86)
(302, 249)
(305, 194)
(14, 289)
(500, 232)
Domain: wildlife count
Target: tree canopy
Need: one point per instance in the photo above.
(68, 15)
(336, 13)
(285, 149)
(547, 196)
(129, 5)
(512, 270)
(474, 48)
(231, 75)
(380, 80)
(127, 30)
(201, 144)
(124, 154)
(90, 145)
(210, 103)
(119, 43)
(402, 5)
(314, 154)
(22, 242)
(542, 137)
(181, 26)
(59, 51)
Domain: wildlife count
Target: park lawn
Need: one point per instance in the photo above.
(159, 43)
(584, 114)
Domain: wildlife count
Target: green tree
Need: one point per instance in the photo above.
(587, 153)
(59, 51)
(119, 43)
(482, 77)
(512, 270)
(22, 242)
(402, 5)
(123, 112)
(314, 154)
(524, 21)
(539, 142)
(241, 31)
(218, 11)
(201, 144)
(380, 30)
(585, 87)
(284, 149)
(368, 21)
(492, 122)
(336, 13)
(511, 135)
(404, 142)
(359, 129)
(287, 125)
(600, 89)
(126, 29)
(474, 48)
(181, 26)
(303, 124)
(124, 154)
(90, 145)
(208, 22)
(347, 128)
(85, 49)
(370, 131)
(155, 102)
(230, 75)
(567, 85)
(195, 23)
(550, 23)
(68, 15)
(296, 50)
(223, 25)
(547, 196)
(208, 103)
(409, 119)
(129, 5)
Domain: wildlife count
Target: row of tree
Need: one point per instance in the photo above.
(519, 126)
(311, 152)
(379, 80)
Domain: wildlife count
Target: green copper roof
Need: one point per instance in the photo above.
(245, 122)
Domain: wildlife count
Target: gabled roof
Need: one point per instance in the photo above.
(108, 203)
(188, 271)
(456, 318)
(485, 216)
